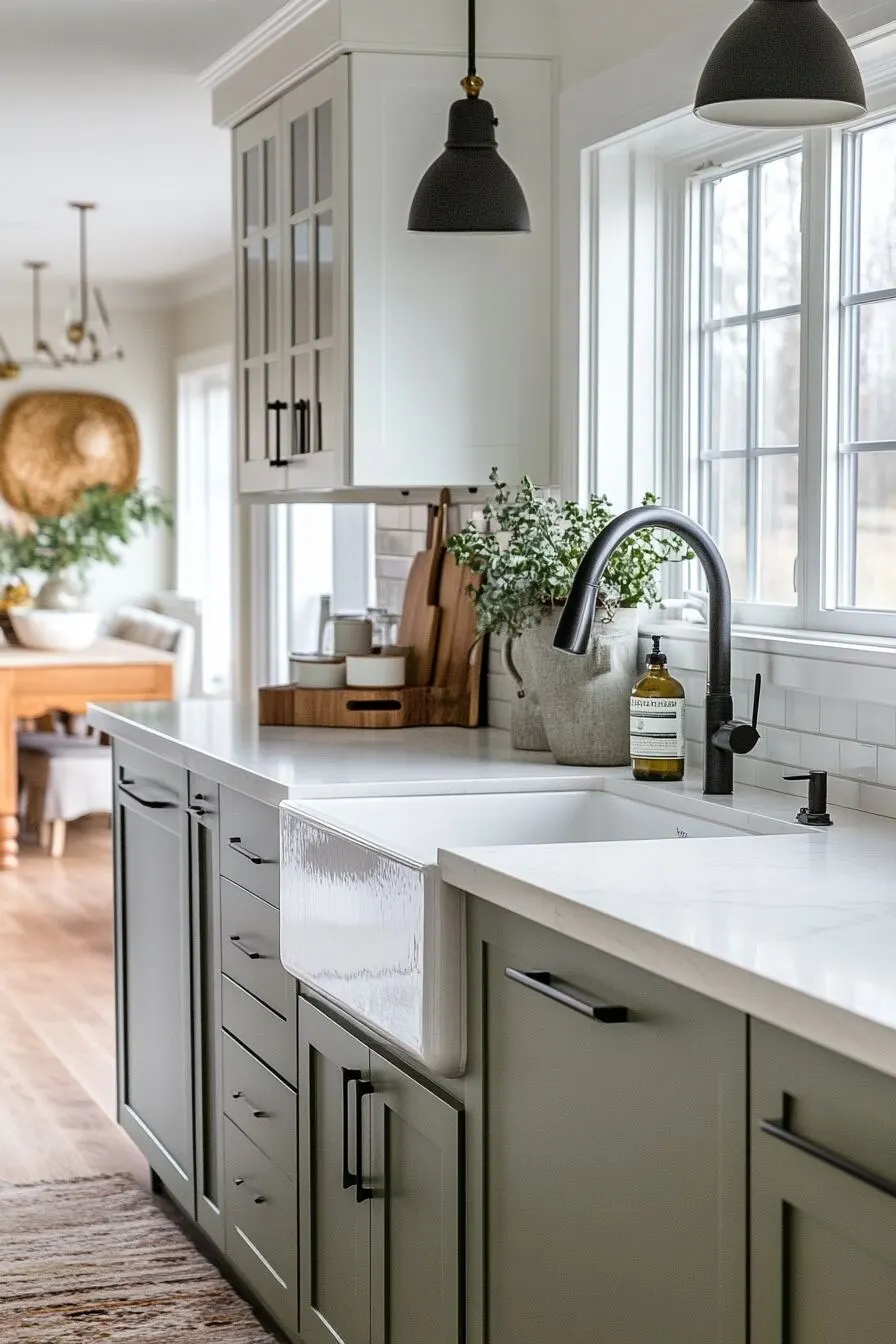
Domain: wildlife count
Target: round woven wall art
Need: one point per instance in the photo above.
(55, 445)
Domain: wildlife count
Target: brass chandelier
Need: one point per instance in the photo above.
(85, 340)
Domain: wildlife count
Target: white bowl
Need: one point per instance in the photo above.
(376, 669)
(317, 671)
(55, 631)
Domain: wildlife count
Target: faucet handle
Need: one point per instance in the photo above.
(757, 690)
(736, 736)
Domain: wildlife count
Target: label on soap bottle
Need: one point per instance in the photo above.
(657, 728)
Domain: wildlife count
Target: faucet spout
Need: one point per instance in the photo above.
(574, 629)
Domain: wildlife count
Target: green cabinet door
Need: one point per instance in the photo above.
(380, 1196)
(153, 977)
(416, 1211)
(823, 1196)
(205, 910)
(334, 1154)
(608, 1155)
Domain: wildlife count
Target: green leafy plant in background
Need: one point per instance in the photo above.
(96, 532)
(530, 547)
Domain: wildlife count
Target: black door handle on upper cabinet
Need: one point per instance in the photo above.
(542, 982)
(253, 956)
(349, 1076)
(277, 460)
(238, 847)
(302, 408)
(157, 804)
(362, 1089)
(775, 1129)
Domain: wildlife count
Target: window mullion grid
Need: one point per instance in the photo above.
(753, 364)
(847, 463)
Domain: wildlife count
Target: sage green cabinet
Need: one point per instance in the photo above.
(609, 1155)
(153, 938)
(823, 1196)
(380, 1196)
(205, 915)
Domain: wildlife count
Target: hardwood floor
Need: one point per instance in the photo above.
(57, 1019)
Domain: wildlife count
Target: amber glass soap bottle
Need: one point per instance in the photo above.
(657, 721)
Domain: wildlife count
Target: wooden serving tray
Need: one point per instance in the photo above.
(408, 707)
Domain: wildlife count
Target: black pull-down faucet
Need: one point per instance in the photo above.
(725, 735)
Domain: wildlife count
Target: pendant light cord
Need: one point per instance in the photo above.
(471, 37)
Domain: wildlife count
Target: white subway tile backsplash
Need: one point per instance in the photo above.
(693, 723)
(838, 717)
(783, 745)
(772, 705)
(858, 760)
(886, 766)
(802, 712)
(881, 801)
(819, 753)
(844, 792)
(876, 723)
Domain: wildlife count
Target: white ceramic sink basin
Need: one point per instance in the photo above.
(366, 919)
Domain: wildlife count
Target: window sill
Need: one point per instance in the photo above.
(867, 650)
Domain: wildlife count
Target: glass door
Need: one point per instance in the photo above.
(315, 131)
(263, 419)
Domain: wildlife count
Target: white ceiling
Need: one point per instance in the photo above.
(99, 101)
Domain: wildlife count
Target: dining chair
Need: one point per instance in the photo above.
(67, 773)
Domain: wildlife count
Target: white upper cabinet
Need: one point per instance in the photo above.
(377, 359)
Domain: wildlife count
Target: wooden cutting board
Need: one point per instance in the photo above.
(419, 628)
(458, 662)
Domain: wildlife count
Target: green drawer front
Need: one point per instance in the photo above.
(250, 845)
(250, 948)
(262, 1238)
(261, 1105)
(269, 1036)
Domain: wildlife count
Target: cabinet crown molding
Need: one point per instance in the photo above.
(258, 41)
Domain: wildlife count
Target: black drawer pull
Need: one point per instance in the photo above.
(543, 983)
(349, 1076)
(157, 804)
(362, 1089)
(256, 1114)
(197, 811)
(253, 956)
(776, 1130)
(238, 1180)
(259, 1199)
(244, 853)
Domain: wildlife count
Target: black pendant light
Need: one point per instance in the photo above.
(782, 63)
(469, 188)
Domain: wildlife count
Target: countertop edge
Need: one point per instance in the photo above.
(836, 1029)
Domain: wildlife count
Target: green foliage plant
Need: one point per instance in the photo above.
(96, 532)
(529, 548)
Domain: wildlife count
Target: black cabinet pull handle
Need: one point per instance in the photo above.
(259, 1199)
(253, 956)
(197, 811)
(362, 1089)
(277, 460)
(349, 1076)
(301, 409)
(238, 1180)
(244, 853)
(542, 982)
(157, 804)
(775, 1129)
(256, 1114)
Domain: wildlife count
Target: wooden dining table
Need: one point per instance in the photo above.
(34, 682)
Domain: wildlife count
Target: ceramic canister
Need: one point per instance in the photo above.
(317, 671)
(376, 669)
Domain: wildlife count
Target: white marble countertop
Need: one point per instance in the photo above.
(798, 930)
(222, 738)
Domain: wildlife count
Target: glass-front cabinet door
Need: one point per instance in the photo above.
(263, 429)
(315, 129)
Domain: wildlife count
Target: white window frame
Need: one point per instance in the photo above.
(641, 180)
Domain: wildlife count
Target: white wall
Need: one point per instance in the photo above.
(204, 323)
(144, 380)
